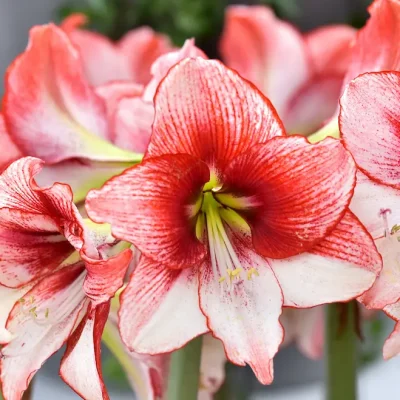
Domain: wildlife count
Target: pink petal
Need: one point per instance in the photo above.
(313, 104)
(340, 268)
(39, 226)
(331, 49)
(209, 111)
(49, 101)
(376, 47)
(374, 204)
(11, 151)
(102, 60)
(132, 123)
(81, 365)
(153, 317)
(391, 347)
(246, 316)
(141, 47)
(105, 277)
(369, 124)
(299, 192)
(40, 322)
(165, 62)
(212, 367)
(73, 21)
(269, 52)
(147, 206)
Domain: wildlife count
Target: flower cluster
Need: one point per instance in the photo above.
(168, 182)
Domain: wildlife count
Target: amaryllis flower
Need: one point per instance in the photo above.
(128, 59)
(53, 113)
(301, 74)
(370, 127)
(233, 219)
(56, 282)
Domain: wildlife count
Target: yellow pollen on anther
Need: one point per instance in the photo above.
(47, 313)
(220, 280)
(33, 311)
(251, 272)
(236, 272)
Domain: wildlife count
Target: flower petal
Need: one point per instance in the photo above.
(246, 317)
(331, 49)
(207, 110)
(39, 226)
(376, 47)
(269, 52)
(81, 365)
(142, 47)
(299, 192)
(340, 268)
(105, 277)
(164, 63)
(49, 101)
(132, 123)
(375, 204)
(369, 124)
(147, 205)
(11, 152)
(40, 322)
(153, 317)
(391, 347)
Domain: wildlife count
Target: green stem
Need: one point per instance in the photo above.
(185, 371)
(341, 351)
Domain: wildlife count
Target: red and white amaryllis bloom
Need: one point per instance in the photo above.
(53, 113)
(56, 282)
(370, 127)
(128, 59)
(301, 74)
(233, 219)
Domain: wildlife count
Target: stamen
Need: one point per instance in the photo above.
(251, 272)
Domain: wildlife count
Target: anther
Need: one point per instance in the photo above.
(251, 272)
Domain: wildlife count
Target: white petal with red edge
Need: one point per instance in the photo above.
(81, 366)
(207, 110)
(369, 123)
(340, 268)
(160, 309)
(49, 101)
(246, 317)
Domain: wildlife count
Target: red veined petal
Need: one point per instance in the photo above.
(370, 125)
(377, 206)
(49, 101)
(105, 277)
(148, 205)
(132, 123)
(376, 46)
(162, 65)
(41, 322)
(313, 104)
(245, 317)
(81, 364)
(40, 227)
(299, 192)
(331, 49)
(207, 110)
(141, 47)
(269, 52)
(153, 318)
(10, 151)
(340, 268)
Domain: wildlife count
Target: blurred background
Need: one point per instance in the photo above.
(296, 377)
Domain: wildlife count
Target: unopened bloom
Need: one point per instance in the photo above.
(369, 124)
(301, 74)
(56, 282)
(233, 219)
